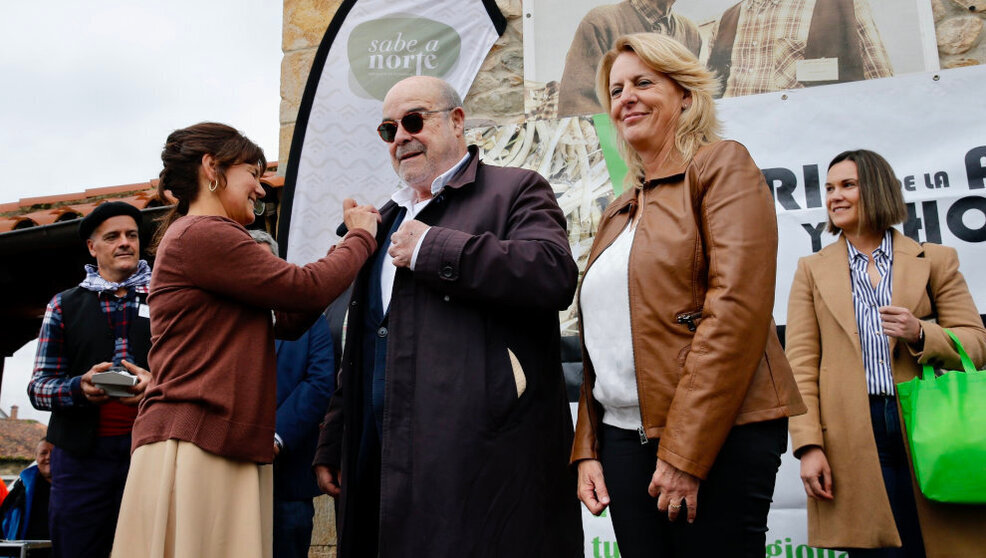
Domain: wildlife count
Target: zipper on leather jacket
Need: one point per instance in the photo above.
(640, 403)
(688, 318)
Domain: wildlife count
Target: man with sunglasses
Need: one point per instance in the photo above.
(450, 430)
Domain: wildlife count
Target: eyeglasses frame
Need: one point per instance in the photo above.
(400, 122)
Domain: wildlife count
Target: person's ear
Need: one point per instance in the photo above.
(458, 118)
(89, 244)
(209, 167)
(686, 101)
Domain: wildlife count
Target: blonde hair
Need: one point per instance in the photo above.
(697, 125)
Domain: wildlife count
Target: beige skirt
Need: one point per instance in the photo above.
(181, 501)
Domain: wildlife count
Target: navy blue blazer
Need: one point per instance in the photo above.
(305, 382)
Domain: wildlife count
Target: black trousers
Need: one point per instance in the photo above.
(733, 501)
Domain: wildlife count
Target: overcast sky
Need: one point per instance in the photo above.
(91, 90)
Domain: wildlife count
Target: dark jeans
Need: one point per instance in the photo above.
(85, 497)
(733, 501)
(293, 527)
(896, 479)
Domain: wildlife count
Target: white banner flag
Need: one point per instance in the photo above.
(369, 46)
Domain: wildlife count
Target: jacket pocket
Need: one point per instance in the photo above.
(520, 379)
(506, 381)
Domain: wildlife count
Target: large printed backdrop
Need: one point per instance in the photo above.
(919, 122)
(928, 126)
(556, 31)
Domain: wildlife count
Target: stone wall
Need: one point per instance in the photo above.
(324, 534)
(304, 23)
(498, 95)
(959, 27)
(498, 92)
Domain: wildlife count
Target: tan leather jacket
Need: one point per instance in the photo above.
(702, 271)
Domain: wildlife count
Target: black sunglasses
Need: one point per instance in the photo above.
(412, 123)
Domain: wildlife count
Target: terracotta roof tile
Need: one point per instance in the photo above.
(107, 190)
(85, 208)
(272, 180)
(43, 217)
(45, 210)
(15, 223)
(134, 200)
(48, 200)
(19, 438)
(68, 214)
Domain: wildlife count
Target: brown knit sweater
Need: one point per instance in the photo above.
(212, 356)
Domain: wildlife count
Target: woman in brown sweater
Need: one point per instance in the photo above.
(200, 483)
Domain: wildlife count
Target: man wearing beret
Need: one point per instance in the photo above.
(102, 323)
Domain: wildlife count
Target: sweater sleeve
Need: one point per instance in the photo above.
(219, 256)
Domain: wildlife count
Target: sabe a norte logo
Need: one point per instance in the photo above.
(387, 50)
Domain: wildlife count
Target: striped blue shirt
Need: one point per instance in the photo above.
(867, 302)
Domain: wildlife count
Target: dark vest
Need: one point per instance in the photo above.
(832, 34)
(89, 340)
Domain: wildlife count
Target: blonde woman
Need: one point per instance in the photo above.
(684, 406)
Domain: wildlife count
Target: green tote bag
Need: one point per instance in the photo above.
(945, 421)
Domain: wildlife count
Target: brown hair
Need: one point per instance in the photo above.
(697, 125)
(881, 201)
(182, 158)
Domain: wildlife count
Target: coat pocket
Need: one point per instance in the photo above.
(506, 382)
(520, 379)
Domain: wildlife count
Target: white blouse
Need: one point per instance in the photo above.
(605, 304)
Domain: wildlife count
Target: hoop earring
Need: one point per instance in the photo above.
(213, 185)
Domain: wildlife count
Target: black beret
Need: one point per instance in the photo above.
(103, 212)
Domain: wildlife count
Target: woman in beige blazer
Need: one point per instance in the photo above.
(854, 330)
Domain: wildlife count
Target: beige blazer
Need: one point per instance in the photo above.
(833, 385)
